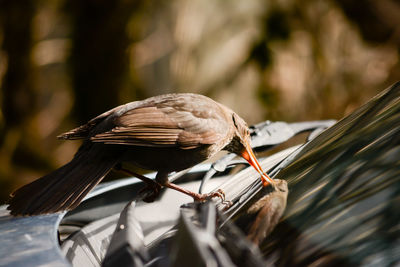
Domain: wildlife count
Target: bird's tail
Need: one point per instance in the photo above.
(64, 188)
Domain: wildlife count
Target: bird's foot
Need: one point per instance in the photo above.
(219, 193)
(203, 197)
(150, 192)
(196, 196)
(226, 205)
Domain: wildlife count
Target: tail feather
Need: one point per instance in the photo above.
(64, 188)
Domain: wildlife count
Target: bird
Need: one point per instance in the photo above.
(165, 133)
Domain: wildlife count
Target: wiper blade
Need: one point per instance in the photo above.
(267, 135)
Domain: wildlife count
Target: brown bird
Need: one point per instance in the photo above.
(165, 133)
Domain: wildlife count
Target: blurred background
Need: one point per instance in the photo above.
(64, 62)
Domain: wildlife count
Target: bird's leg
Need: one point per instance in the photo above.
(153, 186)
(145, 179)
(162, 179)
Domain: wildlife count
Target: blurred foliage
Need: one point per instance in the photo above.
(63, 62)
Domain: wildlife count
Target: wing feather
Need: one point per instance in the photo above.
(164, 125)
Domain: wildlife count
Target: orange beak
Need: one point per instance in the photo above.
(248, 155)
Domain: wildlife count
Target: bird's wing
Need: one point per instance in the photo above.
(85, 130)
(167, 125)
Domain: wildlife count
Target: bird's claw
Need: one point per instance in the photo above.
(150, 192)
(219, 193)
(226, 205)
(204, 197)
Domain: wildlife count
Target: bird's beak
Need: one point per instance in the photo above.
(248, 155)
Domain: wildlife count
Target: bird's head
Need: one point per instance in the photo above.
(240, 145)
